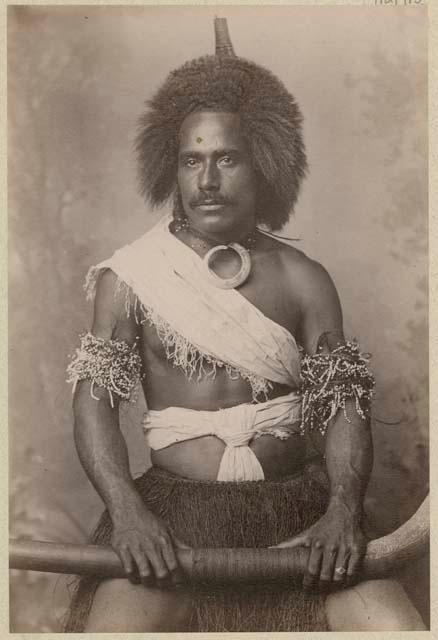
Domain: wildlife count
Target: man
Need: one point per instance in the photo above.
(209, 311)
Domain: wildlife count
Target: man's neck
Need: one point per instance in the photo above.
(202, 241)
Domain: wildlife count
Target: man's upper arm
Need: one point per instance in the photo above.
(110, 318)
(110, 322)
(321, 314)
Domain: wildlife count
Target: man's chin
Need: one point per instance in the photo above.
(210, 217)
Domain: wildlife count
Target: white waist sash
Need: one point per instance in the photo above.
(235, 426)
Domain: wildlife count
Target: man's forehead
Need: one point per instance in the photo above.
(210, 128)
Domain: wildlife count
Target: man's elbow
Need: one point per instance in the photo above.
(91, 402)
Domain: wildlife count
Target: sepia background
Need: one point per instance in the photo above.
(77, 81)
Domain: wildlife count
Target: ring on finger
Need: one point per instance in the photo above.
(340, 571)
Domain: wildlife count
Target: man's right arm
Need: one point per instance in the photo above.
(140, 538)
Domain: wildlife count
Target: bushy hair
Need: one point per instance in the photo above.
(270, 118)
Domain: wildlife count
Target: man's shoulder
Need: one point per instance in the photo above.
(311, 290)
(301, 270)
(305, 281)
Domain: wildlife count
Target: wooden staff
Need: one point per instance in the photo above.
(383, 556)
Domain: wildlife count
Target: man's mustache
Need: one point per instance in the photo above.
(204, 200)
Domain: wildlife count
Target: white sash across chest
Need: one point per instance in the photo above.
(221, 325)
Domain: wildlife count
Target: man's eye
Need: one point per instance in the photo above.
(226, 160)
(190, 162)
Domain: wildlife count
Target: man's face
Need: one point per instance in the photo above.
(215, 175)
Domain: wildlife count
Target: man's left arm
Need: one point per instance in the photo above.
(336, 542)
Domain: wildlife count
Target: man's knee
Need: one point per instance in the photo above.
(120, 606)
(373, 605)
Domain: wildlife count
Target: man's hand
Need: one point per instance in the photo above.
(337, 546)
(146, 547)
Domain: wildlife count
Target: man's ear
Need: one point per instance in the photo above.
(178, 208)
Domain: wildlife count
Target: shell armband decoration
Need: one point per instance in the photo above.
(112, 364)
(329, 380)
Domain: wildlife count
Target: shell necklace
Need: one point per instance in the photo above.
(242, 250)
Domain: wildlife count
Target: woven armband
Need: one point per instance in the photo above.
(111, 364)
(329, 380)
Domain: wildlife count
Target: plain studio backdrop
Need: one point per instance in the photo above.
(78, 78)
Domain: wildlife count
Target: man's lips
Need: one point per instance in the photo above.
(209, 205)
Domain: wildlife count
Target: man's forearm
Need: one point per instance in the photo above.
(102, 449)
(349, 458)
(141, 538)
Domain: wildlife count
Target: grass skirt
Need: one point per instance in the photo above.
(230, 514)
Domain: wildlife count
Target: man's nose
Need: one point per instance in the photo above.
(209, 179)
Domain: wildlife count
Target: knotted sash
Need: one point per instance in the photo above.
(235, 426)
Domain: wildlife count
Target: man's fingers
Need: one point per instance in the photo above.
(340, 572)
(311, 577)
(171, 561)
(128, 564)
(168, 554)
(328, 567)
(179, 543)
(159, 566)
(353, 567)
(299, 541)
(354, 563)
(144, 567)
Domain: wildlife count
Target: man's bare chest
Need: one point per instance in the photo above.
(268, 290)
(265, 289)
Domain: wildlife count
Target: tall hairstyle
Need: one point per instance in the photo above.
(270, 120)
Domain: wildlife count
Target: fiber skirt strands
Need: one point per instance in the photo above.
(230, 514)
